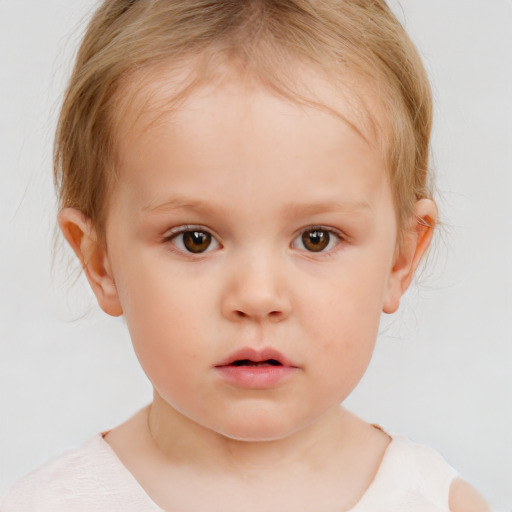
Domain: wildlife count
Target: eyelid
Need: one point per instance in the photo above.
(321, 227)
(332, 231)
(173, 233)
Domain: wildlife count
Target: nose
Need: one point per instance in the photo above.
(256, 291)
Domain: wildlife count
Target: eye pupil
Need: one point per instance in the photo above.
(196, 241)
(316, 240)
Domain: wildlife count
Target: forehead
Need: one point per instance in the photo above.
(170, 92)
(235, 138)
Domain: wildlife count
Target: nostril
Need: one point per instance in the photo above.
(276, 315)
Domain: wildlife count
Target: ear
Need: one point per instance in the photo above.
(81, 236)
(416, 241)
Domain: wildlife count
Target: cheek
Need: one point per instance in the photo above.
(349, 301)
(343, 318)
(163, 314)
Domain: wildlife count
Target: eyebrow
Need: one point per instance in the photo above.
(327, 206)
(183, 203)
(291, 210)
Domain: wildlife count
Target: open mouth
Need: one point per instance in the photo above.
(256, 358)
(248, 362)
(251, 368)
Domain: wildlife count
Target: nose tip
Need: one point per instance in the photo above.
(257, 292)
(251, 305)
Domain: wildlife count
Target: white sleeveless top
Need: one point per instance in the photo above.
(411, 478)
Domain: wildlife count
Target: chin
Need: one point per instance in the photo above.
(258, 428)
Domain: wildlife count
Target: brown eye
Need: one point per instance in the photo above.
(191, 240)
(196, 241)
(316, 240)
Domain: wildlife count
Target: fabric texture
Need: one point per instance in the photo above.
(411, 478)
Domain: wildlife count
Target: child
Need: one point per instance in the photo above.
(247, 183)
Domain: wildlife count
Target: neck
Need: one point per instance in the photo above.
(182, 441)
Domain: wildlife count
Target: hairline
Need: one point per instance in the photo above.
(139, 84)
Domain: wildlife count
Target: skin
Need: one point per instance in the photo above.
(255, 172)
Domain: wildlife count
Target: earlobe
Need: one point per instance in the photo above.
(81, 236)
(408, 256)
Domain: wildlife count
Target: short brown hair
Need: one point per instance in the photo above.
(341, 37)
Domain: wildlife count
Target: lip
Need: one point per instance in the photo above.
(256, 377)
(257, 356)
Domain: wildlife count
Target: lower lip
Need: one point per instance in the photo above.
(256, 377)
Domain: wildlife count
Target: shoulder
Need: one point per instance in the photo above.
(435, 476)
(411, 477)
(435, 472)
(55, 482)
(464, 498)
(423, 464)
(86, 478)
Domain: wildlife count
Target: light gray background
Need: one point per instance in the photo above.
(441, 373)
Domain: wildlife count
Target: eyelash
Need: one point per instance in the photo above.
(173, 234)
(332, 233)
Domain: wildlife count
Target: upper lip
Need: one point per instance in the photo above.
(257, 356)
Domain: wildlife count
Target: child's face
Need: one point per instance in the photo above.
(295, 250)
